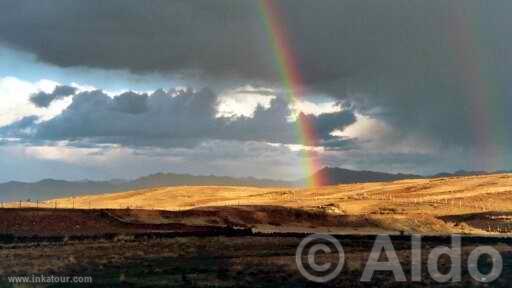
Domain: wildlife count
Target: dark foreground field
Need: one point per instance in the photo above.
(206, 248)
(218, 261)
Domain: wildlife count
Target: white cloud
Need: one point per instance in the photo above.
(15, 100)
(365, 128)
(298, 147)
(82, 88)
(60, 153)
(114, 93)
(308, 107)
(46, 85)
(243, 101)
(376, 135)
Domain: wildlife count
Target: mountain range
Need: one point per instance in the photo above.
(335, 175)
(51, 188)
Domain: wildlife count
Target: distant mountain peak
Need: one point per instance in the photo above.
(337, 175)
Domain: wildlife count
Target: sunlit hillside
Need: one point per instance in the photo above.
(440, 196)
(458, 204)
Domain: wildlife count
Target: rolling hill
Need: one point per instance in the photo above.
(464, 204)
(51, 188)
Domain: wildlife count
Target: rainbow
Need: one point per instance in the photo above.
(290, 75)
(483, 92)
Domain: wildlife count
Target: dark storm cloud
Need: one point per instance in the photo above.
(130, 102)
(332, 40)
(166, 119)
(209, 36)
(43, 99)
(325, 123)
(434, 69)
(271, 125)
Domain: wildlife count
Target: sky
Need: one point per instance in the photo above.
(122, 89)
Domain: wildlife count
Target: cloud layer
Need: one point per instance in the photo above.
(433, 76)
(427, 67)
(175, 118)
